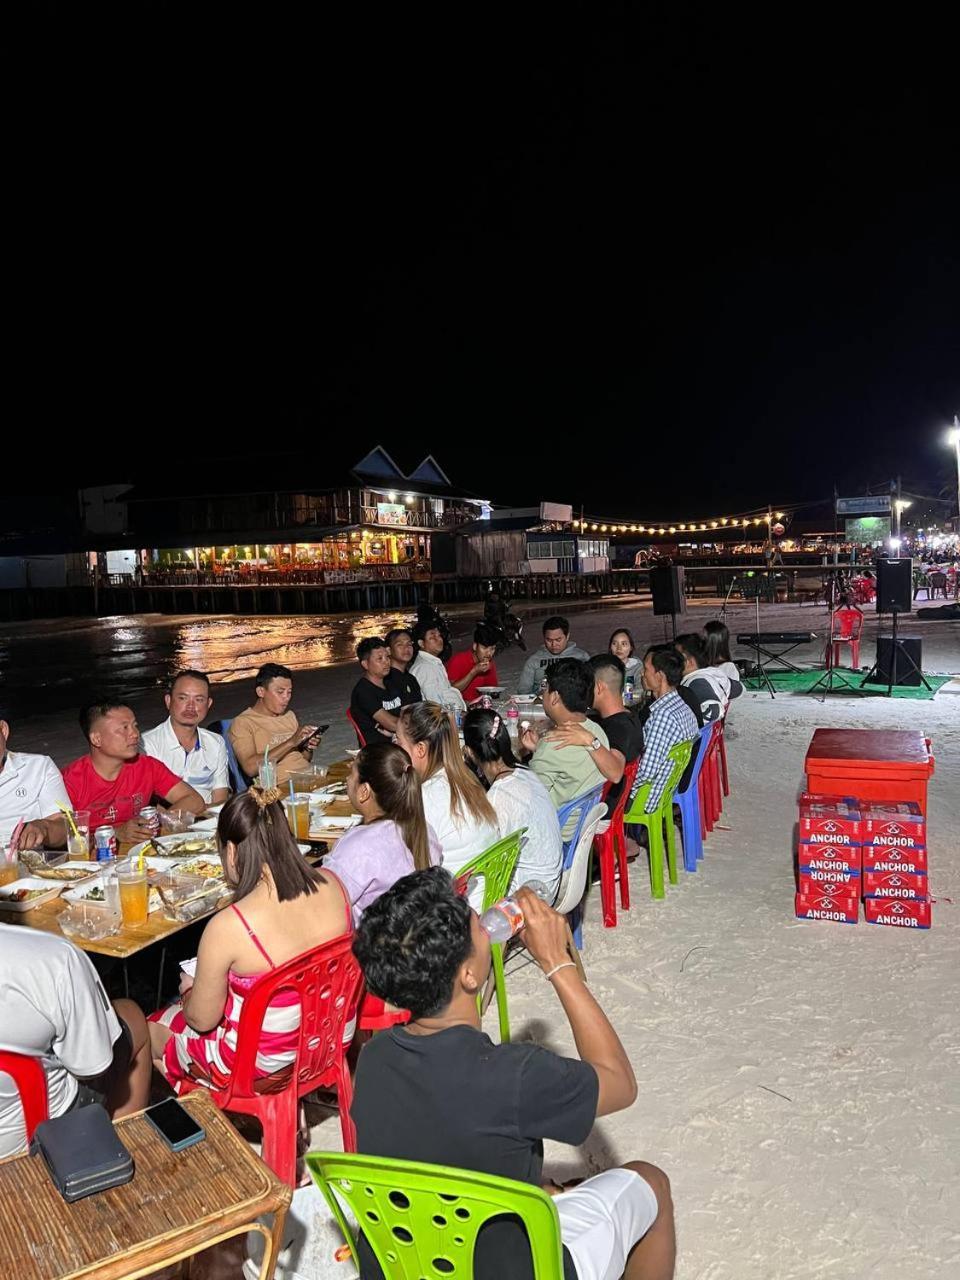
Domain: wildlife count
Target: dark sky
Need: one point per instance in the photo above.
(659, 264)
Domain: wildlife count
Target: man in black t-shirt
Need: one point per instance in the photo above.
(621, 726)
(376, 697)
(439, 1091)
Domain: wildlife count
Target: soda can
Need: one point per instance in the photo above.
(107, 845)
(150, 819)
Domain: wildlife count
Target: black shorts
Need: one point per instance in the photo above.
(100, 1087)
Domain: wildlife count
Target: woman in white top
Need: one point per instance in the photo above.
(519, 798)
(454, 802)
(717, 636)
(621, 646)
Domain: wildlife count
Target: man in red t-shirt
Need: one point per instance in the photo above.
(473, 668)
(115, 781)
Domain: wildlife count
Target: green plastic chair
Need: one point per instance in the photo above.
(422, 1220)
(496, 865)
(661, 816)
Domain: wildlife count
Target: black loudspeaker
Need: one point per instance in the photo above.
(894, 586)
(909, 665)
(666, 587)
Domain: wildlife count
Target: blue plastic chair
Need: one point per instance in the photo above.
(237, 778)
(688, 802)
(579, 806)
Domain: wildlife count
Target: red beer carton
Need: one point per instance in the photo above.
(882, 857)
(895, 884)
(812, 881)
(908, 913)
(841, 908)
(894, 824)
(829, 857)
(829, 819)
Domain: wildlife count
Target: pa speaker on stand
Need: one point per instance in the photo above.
(666, 588)
(898, 658)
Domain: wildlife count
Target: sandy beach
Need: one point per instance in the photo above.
(799, 1081)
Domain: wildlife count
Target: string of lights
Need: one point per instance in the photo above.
(661, 528)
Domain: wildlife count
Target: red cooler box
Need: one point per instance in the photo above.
(871, 764)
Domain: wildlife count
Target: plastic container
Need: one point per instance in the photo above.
(505, 918)
(88, 922)
(40, 891)
(186, 897)
(871, 764)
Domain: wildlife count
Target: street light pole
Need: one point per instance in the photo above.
(955, 437)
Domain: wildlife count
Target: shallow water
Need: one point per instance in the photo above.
(54, 668)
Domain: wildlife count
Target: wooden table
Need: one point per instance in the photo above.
(178, 1204)
(134, 938)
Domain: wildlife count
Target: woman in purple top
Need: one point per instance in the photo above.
(394, 839)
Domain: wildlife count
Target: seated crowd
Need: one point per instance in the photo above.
(427, 806)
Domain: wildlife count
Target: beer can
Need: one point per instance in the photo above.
(107, 845)
(150, 819)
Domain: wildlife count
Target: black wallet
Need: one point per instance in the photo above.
(83, 1152)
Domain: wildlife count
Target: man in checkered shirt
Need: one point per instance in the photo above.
(670, 721)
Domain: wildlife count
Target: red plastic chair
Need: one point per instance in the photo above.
(711, 799)
(328, 981)
(611, 850)
(31, 1081)
(375, 1016)
(361, 740)
(847, 625)
(722, 756)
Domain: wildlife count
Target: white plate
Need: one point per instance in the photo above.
(493, 689)
(80, 865)
(27, 882)
(335, 824)
(205, 825)
(524, 699)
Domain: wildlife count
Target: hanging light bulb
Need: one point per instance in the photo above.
(662, 531)
(723, 520)
(640, 528)
(683, 526)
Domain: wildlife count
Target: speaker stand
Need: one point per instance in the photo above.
(895, 654)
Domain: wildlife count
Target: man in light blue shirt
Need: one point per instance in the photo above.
(194, 754)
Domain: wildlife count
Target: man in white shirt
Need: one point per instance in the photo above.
(31, 788)
(430, 673)
(194, 754)
(53, 1007)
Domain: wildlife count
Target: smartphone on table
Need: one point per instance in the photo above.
(175, 1125)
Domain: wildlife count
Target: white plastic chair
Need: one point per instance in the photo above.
(573, 882)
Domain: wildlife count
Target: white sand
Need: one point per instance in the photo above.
(855, 1172)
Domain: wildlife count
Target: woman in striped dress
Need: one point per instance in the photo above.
(282, 908)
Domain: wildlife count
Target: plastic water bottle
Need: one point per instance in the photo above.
(513, 718)
(505, 918)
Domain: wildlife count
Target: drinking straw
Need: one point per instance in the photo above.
(266, 754)
(69, 817)
(291, 789)
(12, 847)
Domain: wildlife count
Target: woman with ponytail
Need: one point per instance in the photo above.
(282, 908)
(454, 802)
(519, 798)
(395, 838)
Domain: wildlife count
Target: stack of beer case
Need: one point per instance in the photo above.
(828, 859)
(894, 866)
(877, 850)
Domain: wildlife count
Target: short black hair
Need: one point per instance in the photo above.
(486, 635)
(421, 629)
(573, 680)
(412, 941)
(392, 634)
(190, 674)
(91, 712)
(667, 660)
(556, 623)
(608, 668)
(692, 644)
(272, 671)
(368, 645)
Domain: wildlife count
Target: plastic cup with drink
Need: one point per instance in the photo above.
(298, 814)
(134, 892)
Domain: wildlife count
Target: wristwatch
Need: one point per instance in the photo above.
(595, 745)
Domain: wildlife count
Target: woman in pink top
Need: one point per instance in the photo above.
(395, 838)
(283, 908)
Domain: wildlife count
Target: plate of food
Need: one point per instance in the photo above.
(327, 824)
(187, 846)
(205, 868)
(26, 893)
(524, 699)
(490, 690)
(64, 872)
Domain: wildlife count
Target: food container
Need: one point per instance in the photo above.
(187, 897)
(88, 921)
(27, 893)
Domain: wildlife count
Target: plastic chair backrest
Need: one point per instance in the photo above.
(361, 740)
(237, 776)
(576, 810)
(424, 1219)
(629, 776)
(848, 624)
(703, 742)
(31, 1080)
(496, 865)
(574, 878)
(679, 756)
(328, 981)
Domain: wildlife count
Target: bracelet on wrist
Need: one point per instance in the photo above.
(567, 964)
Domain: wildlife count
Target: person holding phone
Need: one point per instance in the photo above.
(269, 725)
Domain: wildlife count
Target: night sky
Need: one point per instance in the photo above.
(662, 265)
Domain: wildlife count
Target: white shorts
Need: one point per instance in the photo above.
(603, 1218)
